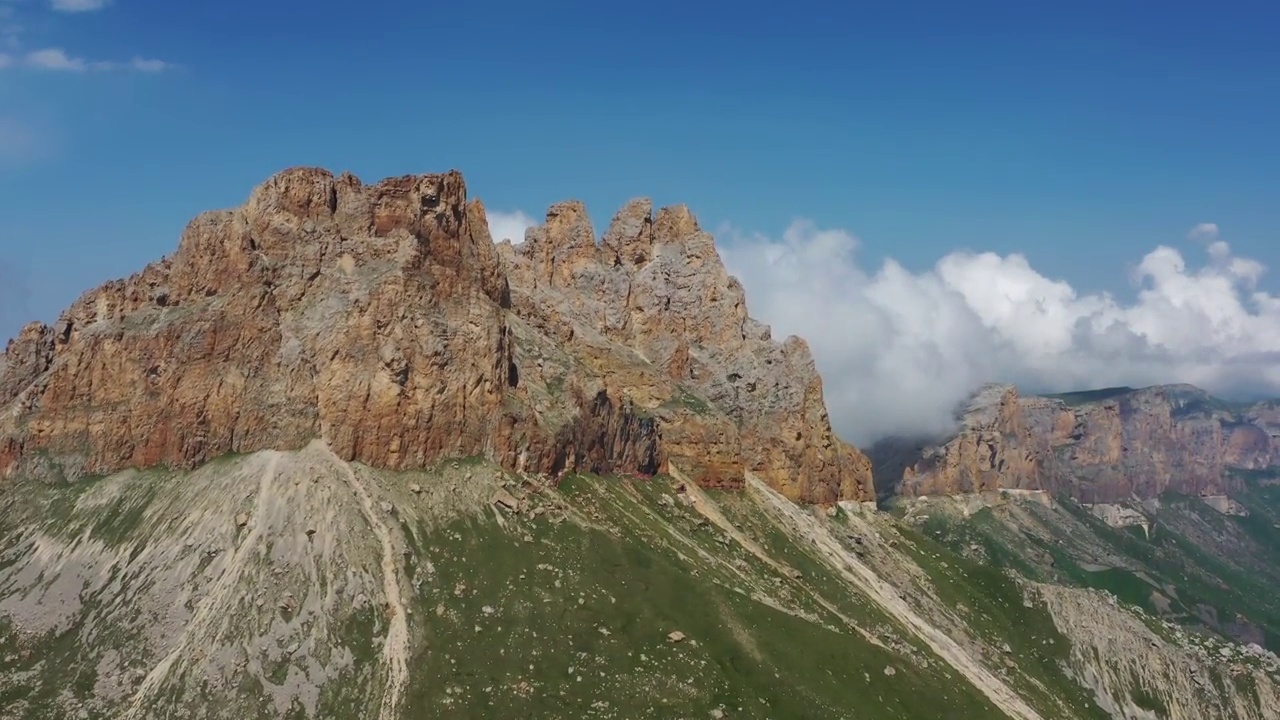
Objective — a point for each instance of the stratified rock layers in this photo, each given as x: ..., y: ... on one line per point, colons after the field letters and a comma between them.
x: 383, y: 320
x: 1100, y: 447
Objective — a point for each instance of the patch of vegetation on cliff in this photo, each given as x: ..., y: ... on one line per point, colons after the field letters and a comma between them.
x: 1263, y: 477
x: 122, y: 516
x: 1237, y: 576
x: 1149, y: 701
x: 556, y: 385
x: 1084, y: 397
x: 60, y: 668
x: 689, y: 401
x: 809, y: 576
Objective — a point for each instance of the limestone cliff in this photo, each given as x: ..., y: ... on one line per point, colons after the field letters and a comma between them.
x: 383, y: 320
x: 1099, y: 447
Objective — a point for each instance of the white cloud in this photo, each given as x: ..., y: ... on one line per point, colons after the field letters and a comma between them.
x: 78, y: 6
x: 898, y: 350
x: 1204, y: 232
x: 149, y: 66
x: 509, y: 225
x: 55, y: 59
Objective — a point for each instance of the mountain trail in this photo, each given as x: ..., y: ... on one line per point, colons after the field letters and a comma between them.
x: 395, y: 650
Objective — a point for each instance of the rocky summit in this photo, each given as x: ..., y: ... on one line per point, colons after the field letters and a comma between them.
x: 383, y: 320
x: 1101, y: 446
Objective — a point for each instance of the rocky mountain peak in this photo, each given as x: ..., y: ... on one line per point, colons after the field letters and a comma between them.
x: 565, y: 240
x: 987, y: 404
x: 630, y: 235
x: 657, y: 287
x: 383, y: 320
x: 676, y: 222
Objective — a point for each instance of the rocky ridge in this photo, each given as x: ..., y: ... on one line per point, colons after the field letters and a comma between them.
x: 383, y: 320
x: 1102, y: 446
x: 655, y: 293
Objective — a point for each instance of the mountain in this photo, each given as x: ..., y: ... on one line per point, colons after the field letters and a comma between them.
x: 1166, y: 496
x: 382, y: 320
x: 1101, y: 446
x: 341, y: 456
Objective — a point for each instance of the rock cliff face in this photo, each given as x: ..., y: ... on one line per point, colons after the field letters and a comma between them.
x: 383, y: 320
x: 656, y: 294
x: 1099, y: 447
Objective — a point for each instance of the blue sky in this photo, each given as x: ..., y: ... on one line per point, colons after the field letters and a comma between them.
x: 1081, y: 135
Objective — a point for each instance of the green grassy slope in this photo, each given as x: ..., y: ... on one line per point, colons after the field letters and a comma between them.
x: 1196, y: 567
x: 256, y: 588
x: 572, y: 620
x: 563, y: 613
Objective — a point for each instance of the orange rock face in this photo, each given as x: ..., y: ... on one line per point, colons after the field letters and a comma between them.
x: 1105, y: 448
x: 383, y: 320
x: 655, y: 294
x: 369, y: 316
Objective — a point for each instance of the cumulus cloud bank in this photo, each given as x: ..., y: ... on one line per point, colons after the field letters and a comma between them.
x: 898, y: 351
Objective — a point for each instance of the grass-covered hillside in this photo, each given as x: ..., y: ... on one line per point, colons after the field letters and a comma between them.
x: 293, y: 585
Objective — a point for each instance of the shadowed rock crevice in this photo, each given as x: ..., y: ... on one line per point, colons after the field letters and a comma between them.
x: 608, y: 436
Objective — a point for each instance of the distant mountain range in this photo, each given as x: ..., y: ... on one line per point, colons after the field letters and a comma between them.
x: 1096, y: 446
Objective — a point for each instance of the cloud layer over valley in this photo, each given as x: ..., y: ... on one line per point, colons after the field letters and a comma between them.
x: 898, y: 350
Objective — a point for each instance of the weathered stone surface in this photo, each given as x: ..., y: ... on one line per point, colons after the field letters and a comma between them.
x: 369, y: 316
x: 25, y: 358
x: 372, y: 317
x: 1101, y: 447
x: 383, y: 320
x: 654, y: 294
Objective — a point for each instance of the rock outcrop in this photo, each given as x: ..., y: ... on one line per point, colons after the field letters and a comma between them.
x: 656, y: 292
x: 1103, y: 446
x: 383, y: 320
x: 369, y: 316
